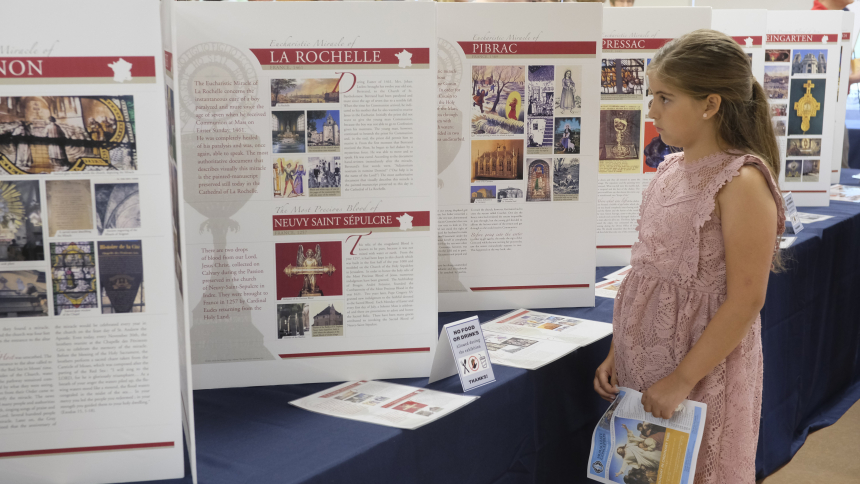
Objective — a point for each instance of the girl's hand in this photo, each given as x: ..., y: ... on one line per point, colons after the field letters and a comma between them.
x: 605, y: 379
x: 663, y: 397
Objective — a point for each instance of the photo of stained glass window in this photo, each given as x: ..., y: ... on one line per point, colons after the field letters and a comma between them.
x: 48, y: 134
x: 73, y: 275
x: 622, y: 78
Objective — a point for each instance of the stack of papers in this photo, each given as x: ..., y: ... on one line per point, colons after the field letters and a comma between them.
x: 608, y: 287
x: 529, y: 339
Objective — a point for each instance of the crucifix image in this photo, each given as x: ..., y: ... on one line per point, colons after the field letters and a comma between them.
x: 309, y: 264
x: 807, y: 107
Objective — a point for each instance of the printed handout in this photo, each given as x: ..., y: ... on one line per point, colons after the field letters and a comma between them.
x: 530, y: 339
x: 808, y: 218
x: 383, y: 403
x: 842, y: 193
x: 608, y: 288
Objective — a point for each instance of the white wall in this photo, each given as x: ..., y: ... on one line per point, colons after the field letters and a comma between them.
x: 765, y: 4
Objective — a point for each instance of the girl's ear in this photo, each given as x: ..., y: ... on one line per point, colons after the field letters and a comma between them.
x: 713, y: 103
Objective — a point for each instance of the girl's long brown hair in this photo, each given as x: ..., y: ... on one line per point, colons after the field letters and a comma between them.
x: 706, y: 62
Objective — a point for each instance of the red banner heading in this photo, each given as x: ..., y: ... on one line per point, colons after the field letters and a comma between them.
x: 168, y: 61
x: 396, y: 57
x: 846, y: 35
x: 634, y: 44
x: 72, y: 67
x: 753, y: 40
x: 375, y: 220
x: 801, y: 38
x: 341, y: 390
x: 529, y: 48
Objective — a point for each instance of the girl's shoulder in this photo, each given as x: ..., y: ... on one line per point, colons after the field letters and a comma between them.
x: 669, y: 160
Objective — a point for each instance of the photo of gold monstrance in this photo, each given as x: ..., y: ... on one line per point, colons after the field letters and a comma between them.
x: 620, y: 150
x: 807, y: 107
x: 310, y: 266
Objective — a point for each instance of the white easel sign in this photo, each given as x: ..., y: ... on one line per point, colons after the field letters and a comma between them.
x: 791, y: 213
x: 462, y: 351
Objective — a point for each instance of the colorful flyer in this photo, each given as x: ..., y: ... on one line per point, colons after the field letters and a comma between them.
x: 631, y: 445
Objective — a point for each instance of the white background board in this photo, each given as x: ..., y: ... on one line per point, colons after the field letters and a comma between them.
x: 90, y: 363
x: 805, y: 168
x: 522, y: 239
x: 366, y: 160
x: 622, y: 179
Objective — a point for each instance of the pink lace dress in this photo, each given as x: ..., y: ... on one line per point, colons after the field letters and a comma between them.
x: 677, y: 284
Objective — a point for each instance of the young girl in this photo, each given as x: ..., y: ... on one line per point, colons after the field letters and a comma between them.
x: 686, y: 323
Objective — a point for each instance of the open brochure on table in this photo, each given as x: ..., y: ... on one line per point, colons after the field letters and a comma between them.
x: 612, y: 283
x: 529, y: 339
x: 809, y: 218
x: 842, y: 193
x: 631, y: 445
x: 383, y: 403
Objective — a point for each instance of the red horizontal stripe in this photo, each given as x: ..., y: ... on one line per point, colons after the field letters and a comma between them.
x: 514, y: 288
x: 515, y: 316
x: 742, y: 40
x: 348, y: 221
x: 614, y: 246
x: 795, y: 38
x: 338, y: 56
x: 358, y: 352
x: 51, y: 67
x: 633, y: 44
x: 528, y: 48
x: 100, y: 448
x: 402, y: 399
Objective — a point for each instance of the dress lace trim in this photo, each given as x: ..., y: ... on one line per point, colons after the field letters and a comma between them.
x: 689, y: 264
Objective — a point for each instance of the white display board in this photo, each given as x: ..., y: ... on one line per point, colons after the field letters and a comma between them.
x: 306, y: 162
x: 89, y: 373
x: 662, y: 3
x: 757, y: 4
x: 845, y: 50
x: 182, y: 328
x: 629, y: 156
x: 801, y: 78
x: 517, y: 154
x: 749, y: 29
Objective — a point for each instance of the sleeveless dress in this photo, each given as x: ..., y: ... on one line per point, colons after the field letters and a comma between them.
x: 677, y: 283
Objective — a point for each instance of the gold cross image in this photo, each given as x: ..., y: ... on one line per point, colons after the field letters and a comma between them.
x: 807, y: 107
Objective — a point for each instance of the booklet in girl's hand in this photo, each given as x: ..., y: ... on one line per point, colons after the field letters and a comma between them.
x: 631, y: 445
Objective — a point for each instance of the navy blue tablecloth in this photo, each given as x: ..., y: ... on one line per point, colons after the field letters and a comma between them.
x: 535, y: 426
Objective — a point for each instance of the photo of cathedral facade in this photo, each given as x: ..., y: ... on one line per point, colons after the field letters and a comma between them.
x: 809, y: 62
x: 328, y: 317
x: 323, y: 130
